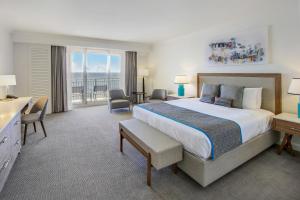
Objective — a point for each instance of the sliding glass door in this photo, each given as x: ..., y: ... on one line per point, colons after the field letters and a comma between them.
x: 94, y: 72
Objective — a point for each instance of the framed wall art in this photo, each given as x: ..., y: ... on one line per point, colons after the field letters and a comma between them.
x: 246, y: 47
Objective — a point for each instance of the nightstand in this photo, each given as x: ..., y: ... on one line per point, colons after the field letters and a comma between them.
x: 289, y: 124
x: 175, y: 97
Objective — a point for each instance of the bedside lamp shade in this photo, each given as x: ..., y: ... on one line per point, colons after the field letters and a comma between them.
x: 181, y: 80
x: 295, y: 86
x: 294, y: 89
x: 143, y: 72
x: 6, y: 80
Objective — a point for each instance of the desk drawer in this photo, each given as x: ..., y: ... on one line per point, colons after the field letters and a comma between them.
x: 5, y: 167
x: 5, y: 141
x: 10, y: 139
x: 16, y: 136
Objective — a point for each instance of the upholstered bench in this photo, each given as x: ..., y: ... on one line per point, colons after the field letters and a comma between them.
x: 159, y: 149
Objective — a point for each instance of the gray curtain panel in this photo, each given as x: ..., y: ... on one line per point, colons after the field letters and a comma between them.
x: 131, y: 74
x: 59, y: 79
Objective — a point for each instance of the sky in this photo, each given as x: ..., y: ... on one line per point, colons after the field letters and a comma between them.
x: 95, y: 62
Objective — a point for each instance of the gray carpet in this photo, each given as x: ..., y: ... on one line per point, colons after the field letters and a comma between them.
x: 80, y: 159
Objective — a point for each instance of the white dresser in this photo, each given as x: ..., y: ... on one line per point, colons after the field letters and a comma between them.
x: 10, y: 134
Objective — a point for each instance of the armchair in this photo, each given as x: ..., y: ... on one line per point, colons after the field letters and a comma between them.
x: 117, y: 99
x: 157, y: 96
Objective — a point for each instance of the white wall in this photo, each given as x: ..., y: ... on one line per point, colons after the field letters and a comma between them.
x: 22, y: 69
x: 185, y: 54
x: 6, y: 59
x: 6, y: 56
x: 65, y: 40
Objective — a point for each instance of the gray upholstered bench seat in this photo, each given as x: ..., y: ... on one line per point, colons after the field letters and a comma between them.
x: 159, y: 149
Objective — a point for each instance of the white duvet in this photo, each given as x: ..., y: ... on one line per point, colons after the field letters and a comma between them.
x: 252, y: 123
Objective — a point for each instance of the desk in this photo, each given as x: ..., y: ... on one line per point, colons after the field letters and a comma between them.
x: 9, y: 109
x: 10, y: 134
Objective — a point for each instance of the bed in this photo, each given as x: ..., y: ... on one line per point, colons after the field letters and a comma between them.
x: 255, y: 125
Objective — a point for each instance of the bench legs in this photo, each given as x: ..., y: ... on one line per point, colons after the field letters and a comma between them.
x: 174, y: 168
x: 121, y: 142
x: 149, y: 169
x: 142, y: 151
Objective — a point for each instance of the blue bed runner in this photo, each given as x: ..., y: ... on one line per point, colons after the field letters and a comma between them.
x: 223, y: 134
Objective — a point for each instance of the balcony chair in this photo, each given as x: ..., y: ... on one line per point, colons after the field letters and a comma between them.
x: 78, y: 90
x: 99, y: 89
x: 157, y: 96
x: 37, y: 113
x: 117, y: 99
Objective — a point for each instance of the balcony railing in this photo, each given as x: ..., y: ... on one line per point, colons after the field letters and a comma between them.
x: 92, y: 90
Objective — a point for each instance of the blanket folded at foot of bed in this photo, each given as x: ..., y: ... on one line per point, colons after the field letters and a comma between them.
x: 223, y: 134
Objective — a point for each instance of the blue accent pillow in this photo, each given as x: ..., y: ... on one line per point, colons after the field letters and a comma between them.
x: 223, y: 102
x: 207, y: 99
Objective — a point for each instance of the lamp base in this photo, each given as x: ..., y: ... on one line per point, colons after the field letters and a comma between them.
x: 180, y: 90
x: 299, y: 110
x: 143, y: 89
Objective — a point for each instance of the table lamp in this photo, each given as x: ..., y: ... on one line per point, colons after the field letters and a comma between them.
x: 294, y: 89
x: 6, y: 80
x: 181, y: 80
x: 144, y: 73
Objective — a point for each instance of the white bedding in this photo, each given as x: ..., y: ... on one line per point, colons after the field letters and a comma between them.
x: 252, y: 123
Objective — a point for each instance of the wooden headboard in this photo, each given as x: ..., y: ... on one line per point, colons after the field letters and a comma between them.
x: 270, y: 82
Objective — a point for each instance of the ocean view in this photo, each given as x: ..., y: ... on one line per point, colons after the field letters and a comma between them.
x: 94, y: 76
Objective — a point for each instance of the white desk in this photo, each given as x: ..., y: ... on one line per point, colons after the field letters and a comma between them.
x: 10, y: 134
x: 9, y: 109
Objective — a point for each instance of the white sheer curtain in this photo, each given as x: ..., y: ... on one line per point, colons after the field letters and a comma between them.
x: 69, y: 78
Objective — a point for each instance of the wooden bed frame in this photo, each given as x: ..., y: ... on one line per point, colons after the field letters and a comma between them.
x: 207, y: 171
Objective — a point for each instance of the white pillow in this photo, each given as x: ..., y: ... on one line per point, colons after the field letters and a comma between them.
x: 252, y: 98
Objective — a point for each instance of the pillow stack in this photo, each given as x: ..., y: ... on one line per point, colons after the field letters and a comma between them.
x: 231, y: 96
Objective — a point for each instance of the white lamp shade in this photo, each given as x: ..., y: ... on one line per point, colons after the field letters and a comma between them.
x: 181, y: 79
x: 294, y: 87
x: 6, y: 80
x: 143, y: 72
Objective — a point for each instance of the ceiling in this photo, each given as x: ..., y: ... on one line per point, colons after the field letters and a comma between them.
x: 127, y: 20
